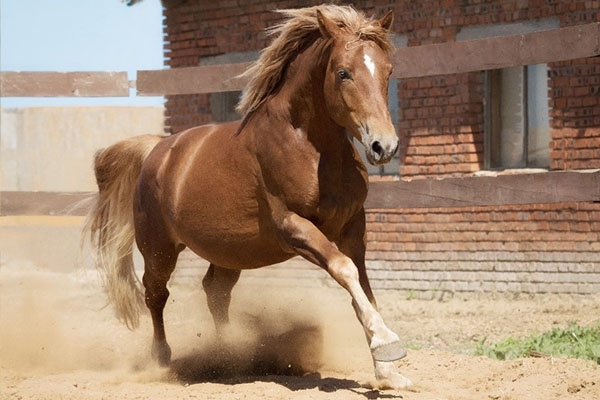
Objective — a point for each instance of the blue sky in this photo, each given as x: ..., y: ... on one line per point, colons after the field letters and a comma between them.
x: 80, y: 35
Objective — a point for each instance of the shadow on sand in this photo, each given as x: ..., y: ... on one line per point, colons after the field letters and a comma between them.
x: 290, y: 359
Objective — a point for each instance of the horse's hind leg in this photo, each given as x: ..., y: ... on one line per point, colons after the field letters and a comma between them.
x: 218, y: 284
x: 159, y: 264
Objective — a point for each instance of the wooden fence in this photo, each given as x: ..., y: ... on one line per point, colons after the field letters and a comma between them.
x: 562, y: 44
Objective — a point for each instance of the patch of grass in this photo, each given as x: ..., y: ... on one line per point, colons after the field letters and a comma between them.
x: 574, y: 341
x: 411, y: 295
x: 413, y: 346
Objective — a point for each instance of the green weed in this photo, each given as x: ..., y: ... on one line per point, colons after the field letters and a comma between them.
x: 574, y: 341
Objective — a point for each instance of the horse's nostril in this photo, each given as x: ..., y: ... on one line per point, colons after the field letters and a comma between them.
x: 376, y: 147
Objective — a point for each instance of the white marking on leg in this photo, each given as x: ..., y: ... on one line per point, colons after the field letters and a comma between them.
x: 370, y: 64
x: 378, y: 334
x: 388, y: 376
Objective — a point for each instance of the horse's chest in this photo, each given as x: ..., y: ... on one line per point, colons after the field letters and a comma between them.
x: 335, y: 208
x: 336, y: 199
x: 327, y: 190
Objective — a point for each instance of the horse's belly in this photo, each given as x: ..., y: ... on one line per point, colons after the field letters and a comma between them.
x: 230, y: 236
x: 237, y: 250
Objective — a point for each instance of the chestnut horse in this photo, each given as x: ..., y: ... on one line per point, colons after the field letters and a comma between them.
x: 284, y: 181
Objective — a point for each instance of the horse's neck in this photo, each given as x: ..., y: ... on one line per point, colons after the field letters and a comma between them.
x: 296, y: 116
x: 302, y: 98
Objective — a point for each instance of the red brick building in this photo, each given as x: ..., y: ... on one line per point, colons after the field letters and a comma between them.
x: 543, y: 116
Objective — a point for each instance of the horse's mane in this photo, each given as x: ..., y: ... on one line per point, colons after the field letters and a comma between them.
x: 299, y: 30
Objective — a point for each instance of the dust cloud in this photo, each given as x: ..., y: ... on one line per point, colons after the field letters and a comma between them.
x: 55, y: 323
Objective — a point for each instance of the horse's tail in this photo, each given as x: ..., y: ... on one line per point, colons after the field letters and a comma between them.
x: 109, y: 224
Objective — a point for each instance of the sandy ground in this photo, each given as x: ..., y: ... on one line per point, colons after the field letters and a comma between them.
x: 57, y: 340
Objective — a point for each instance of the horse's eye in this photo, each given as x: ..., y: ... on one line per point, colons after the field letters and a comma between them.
x: 343, y: 74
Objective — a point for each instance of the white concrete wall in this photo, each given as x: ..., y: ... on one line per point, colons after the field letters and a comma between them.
x: 52, y: 148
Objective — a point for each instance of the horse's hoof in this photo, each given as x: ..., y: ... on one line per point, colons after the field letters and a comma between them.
x: 389, y: 352
x: 395, y: 381
x: 389, y: 378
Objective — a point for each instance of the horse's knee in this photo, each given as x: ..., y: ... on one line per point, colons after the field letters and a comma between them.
x: 344, y: 271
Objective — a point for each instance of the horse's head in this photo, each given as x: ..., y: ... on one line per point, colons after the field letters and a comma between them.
x: 356, y: 88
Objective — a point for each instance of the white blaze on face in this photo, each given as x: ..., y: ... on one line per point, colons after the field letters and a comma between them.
x: 370, y: 64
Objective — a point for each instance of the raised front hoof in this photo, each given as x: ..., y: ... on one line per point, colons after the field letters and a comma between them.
x: 161, y: 354
x: 389, y: 352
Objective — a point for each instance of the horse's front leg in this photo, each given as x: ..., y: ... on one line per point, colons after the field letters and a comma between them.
x: 353, y: 244
x: 218, y: 284
x: 303, y: 237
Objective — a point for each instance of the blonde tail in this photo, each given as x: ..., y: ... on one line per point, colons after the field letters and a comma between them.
x: 109, y: 224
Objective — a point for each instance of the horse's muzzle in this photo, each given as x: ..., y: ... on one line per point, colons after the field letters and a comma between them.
x: 381, y: 151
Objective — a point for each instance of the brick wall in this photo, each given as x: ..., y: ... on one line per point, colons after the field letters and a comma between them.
x: 575, y: 101
x: 542, y: 248
x: 196, y: 29
x: 530, y: 249
x: 449, y: 109
x: 441, y: 125
x: 538, y: 248
x: 575, y: 114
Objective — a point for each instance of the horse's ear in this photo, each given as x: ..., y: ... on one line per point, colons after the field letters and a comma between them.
x: 327, y: 27
x: 386, y: 21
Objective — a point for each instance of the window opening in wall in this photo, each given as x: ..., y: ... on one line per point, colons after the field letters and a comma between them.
x: 517, y: 118
x: 222, y: 106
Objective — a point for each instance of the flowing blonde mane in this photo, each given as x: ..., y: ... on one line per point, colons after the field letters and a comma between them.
x: 299, y: 30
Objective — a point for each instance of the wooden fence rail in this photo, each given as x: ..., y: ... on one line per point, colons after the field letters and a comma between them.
x: 548, y: 187
x: 562, y: 44
x: 551, y: 187
x: 64, y: 84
